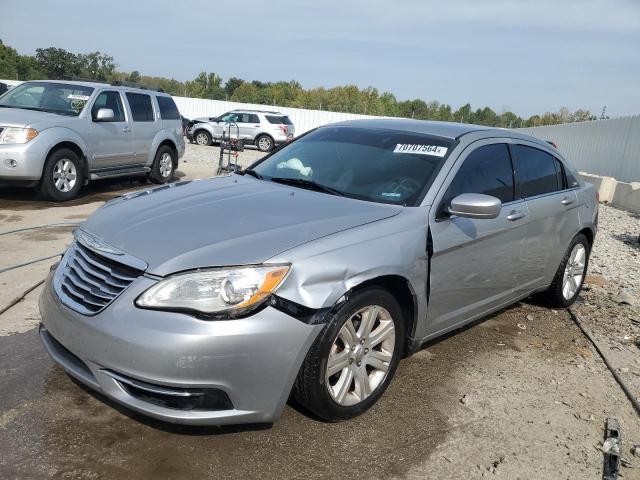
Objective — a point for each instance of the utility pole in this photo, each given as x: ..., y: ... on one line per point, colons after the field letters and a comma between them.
x: 602, y: 115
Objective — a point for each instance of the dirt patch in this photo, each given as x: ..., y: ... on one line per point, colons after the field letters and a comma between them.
x: 47, y: 234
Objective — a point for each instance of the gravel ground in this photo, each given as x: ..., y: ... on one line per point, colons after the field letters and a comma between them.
x: 521, y: 394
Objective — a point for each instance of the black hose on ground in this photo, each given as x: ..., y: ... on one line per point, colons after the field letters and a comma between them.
x: 623, y: 386
x: 19, y: 298
x: 48, y: 225
x: 13, y: 267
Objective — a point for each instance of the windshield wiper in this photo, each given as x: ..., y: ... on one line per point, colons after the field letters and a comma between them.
x: 308, y: 184
x: 251, y: 172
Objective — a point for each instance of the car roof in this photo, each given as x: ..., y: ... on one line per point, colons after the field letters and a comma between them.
x: 101, y: 85
x: 243, y: 110
x: 450, y: 130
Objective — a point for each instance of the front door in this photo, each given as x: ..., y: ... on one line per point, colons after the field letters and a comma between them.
x: 475, y: 265
x: 111, y: 141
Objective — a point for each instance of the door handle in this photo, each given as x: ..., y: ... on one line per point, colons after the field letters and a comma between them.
x: 515, y: 215
x: 126, y: 129
x: 567, y: 201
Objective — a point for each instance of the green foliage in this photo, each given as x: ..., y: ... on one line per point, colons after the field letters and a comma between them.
x: 57, y: 63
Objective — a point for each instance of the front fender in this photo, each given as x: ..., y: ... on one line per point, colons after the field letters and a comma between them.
x: 326, y: 269
x: 56, y: 135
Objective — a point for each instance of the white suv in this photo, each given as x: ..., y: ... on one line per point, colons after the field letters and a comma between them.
x: 263, y: 129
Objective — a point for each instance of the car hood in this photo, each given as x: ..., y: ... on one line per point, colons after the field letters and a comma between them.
x: 231, y: 220
x: 18, y: 117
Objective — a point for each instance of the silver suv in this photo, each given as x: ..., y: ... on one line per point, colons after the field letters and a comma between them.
x: 263, y: 129
x: 59, y: 135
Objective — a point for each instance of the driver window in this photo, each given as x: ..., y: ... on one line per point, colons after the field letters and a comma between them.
x: 486, y: 170
x: 110, y: 100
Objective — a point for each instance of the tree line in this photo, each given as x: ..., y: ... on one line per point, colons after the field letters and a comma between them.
x: 56, y: 63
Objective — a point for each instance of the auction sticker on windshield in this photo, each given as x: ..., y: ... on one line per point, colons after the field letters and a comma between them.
x: 433, y: 150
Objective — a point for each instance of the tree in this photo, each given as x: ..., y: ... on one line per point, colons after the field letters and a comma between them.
x: 96, y: 66
x: 134, y: 77
x: 57, y: 63
x: 232, y: 84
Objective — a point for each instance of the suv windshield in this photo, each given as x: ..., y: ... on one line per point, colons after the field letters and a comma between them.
x: 377, y: 165
x: 60, y: 98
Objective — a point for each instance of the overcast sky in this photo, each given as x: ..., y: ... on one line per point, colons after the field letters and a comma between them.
x: 525, y: 56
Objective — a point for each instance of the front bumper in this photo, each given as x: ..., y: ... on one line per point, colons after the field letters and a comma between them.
x: 23, y: 162
x: 253, y: 360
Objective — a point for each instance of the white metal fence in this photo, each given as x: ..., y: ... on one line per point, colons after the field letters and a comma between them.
x: 601, y: 147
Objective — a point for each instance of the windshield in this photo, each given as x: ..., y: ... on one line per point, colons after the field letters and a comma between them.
x: 377, y: 165
x: 60, y: 98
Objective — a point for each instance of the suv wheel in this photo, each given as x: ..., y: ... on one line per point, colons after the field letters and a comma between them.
x: 264, y: 143
x: 353, y: 360
x: 202, y: 137
x: 569, y: 278
x: 62, y: 176
x: 163, y: 165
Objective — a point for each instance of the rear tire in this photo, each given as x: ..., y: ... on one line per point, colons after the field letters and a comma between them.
x: 163, y: 165
x: 62, y: 176
x: 568, y: 280
x: 345, y: 371
x: 264, y: 143
x: 202, y: 137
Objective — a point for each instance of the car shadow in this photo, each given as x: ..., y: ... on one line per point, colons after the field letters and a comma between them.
x: 24, y: 198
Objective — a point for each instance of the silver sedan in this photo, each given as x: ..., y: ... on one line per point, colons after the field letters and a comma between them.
x: 315, y: 270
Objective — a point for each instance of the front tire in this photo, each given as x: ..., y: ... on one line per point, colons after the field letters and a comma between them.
x: 163, y: 165
x: 354, y: 358
x: 202, y: 137
x: 62, y: 176
x: 570, y: 275
x: 264, y: 143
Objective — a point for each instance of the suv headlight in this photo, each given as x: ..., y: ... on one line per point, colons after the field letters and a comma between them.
x: 17, y: 135
x: 215, y: 291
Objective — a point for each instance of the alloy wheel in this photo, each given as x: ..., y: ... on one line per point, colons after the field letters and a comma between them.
x: 202, y: 139
x: 166, y: 165
x: 64, y: 175
x: 574, y: 271
x: 360, y: 355
x: 264, y: 144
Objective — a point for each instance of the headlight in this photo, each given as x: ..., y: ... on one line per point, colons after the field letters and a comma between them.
x: 220, y: 290
x: 17, y: 135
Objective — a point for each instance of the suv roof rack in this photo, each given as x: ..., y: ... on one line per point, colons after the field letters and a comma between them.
x: 122, y: 83
x: 255, y: 110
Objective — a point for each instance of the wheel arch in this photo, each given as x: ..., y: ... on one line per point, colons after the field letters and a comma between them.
x: 171, y: 144
x: 75, y: 148
x: 402, y: 291
x: 264, y: 134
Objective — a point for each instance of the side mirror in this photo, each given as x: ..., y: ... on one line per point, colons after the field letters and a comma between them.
x: 475, y: 205
x: 104, y: 115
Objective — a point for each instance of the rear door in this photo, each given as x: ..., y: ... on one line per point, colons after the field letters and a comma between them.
x: 552, y: 207
x: 249, y: 125
x: 145, y: 125
x: 111, y: 141
x: 475, y: 265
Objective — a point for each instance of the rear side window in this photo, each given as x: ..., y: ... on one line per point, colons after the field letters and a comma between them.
x: 168, y: 109
x: 536, y: 171
x: 110, y: 100
x: 486, y: 170
x: 278, y: 120
x: 141, y: 108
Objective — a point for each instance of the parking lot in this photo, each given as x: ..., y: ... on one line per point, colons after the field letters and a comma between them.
x: 521, y: 394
